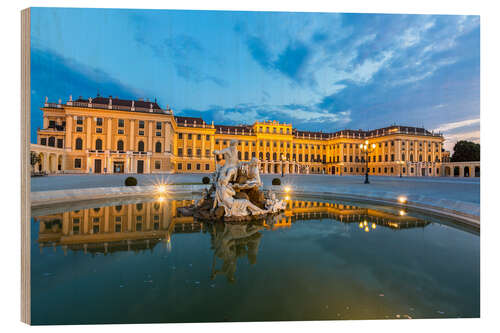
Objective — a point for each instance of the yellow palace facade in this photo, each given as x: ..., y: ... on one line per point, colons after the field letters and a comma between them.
x: 111, y: 135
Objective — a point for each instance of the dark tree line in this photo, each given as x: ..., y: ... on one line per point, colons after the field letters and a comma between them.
x: 466, y: 151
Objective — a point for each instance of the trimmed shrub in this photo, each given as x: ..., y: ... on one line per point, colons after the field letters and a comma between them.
x: 205, y: 180
x: 276, y: 181
x: 130, y: 181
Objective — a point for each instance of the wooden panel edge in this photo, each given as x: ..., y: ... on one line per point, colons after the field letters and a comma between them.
x: 25, y: 174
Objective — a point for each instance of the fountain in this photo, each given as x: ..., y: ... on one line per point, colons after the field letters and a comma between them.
x: 235, y: 193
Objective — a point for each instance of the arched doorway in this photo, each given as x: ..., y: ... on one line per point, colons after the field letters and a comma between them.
x: 59, y: 163
x: 476, y: 171
x: 466, y: 172
x: 456, y: 171
x: 41, y: 163
x: 447, y: 171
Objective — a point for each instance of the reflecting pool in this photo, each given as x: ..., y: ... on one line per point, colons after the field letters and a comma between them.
x: 139, y: 261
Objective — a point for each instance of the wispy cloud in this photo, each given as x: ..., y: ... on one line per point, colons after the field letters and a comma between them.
x: 458, y: 124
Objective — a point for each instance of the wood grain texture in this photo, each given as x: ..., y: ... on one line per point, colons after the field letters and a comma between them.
x: 25, y: 166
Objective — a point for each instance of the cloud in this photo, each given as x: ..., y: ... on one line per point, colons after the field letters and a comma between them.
x: 303, y: 116
x: 183, y: 51
x: 55, y: 76
x: 458, y: 124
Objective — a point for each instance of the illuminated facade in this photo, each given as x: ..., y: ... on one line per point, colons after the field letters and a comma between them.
x: 111, y: 135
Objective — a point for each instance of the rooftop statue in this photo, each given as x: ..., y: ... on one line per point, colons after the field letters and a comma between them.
x: 235, y: 193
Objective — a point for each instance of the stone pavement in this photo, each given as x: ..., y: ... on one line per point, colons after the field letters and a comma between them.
x: 460, y: 194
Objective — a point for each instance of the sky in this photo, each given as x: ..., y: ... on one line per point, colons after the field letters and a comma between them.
x: 318, y: 71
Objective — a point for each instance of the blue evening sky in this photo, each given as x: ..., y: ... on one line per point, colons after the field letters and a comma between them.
x: 319, y: 71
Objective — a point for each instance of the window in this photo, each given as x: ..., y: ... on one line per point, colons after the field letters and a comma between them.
x: 121, y: 123
x: 43, y: 141
x: 190, y: 152
x: 208, y: 138
x: 158, y: 125
x: 190, y: 136
x: 141, y: 132
x: 207, y: 152
x: 140, y: 146
x: 198, y: 166
x: 52, y: 123
x: 79, y: 120
x: 121, y: 131
x: 157, y: 164
x: 179, y: 166
x: 392, y: 157
x: 141, y: 124
x: 52, y: 141
x: 158, y: 133
x: 78, y: 144
x: 98, y: 122
x: 198, y: 137
x: 158, y: 147
x: 98, y: 130
x: 189, y: 166
x: 98, y: 144
x: 119, y: 145
x: 179, y: 152
x: 207, y: 167
x: 59, y: 143
x: 78, y: 163
x: 79, y: 129
x: 179, y: 136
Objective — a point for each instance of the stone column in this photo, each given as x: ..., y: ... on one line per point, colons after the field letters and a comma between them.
x: 132, y: 135
x: 88, y: 144
x: 69, y: 128
x: 150, y: 137
x: 108, y: 134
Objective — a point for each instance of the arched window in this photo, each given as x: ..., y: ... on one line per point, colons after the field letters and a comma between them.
x: 78, y: 144
x: 119, y: 145
x: 158, y: 147
x: 420, y: 158
x: 411, y: 157
x: 98, y: 144
x: 261, y: 156
x: 403, y: 156
x: 52, y: 141
x: 268, y: 156
x: 140, y: 146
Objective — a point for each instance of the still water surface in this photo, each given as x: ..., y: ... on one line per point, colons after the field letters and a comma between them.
x: 138, y: 261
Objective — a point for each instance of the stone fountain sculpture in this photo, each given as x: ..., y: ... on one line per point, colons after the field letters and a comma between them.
x: 235, y: 194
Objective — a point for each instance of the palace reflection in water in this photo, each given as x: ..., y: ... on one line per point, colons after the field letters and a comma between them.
x: 143, y: 225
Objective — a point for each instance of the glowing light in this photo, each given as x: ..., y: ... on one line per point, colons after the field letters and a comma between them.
x: 161, y: 188
x: 365, y: 223
x: 374, y: 226
x: 360, y: 225
x: 402, y: 213
x: 287, y: 198
x: 287, y: 189
x: 402, y: 199
x: 161, y: 199
x: 367, y: 229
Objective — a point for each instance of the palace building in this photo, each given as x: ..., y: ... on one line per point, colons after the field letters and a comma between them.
x: 112, y: 135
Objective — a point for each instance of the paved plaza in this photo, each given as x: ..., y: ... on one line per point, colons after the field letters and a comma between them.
x: 461, y: 194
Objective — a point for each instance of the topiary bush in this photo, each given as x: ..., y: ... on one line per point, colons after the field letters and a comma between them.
x: 205, y: 180
x: 130, y: 181
x: 276, y: 181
